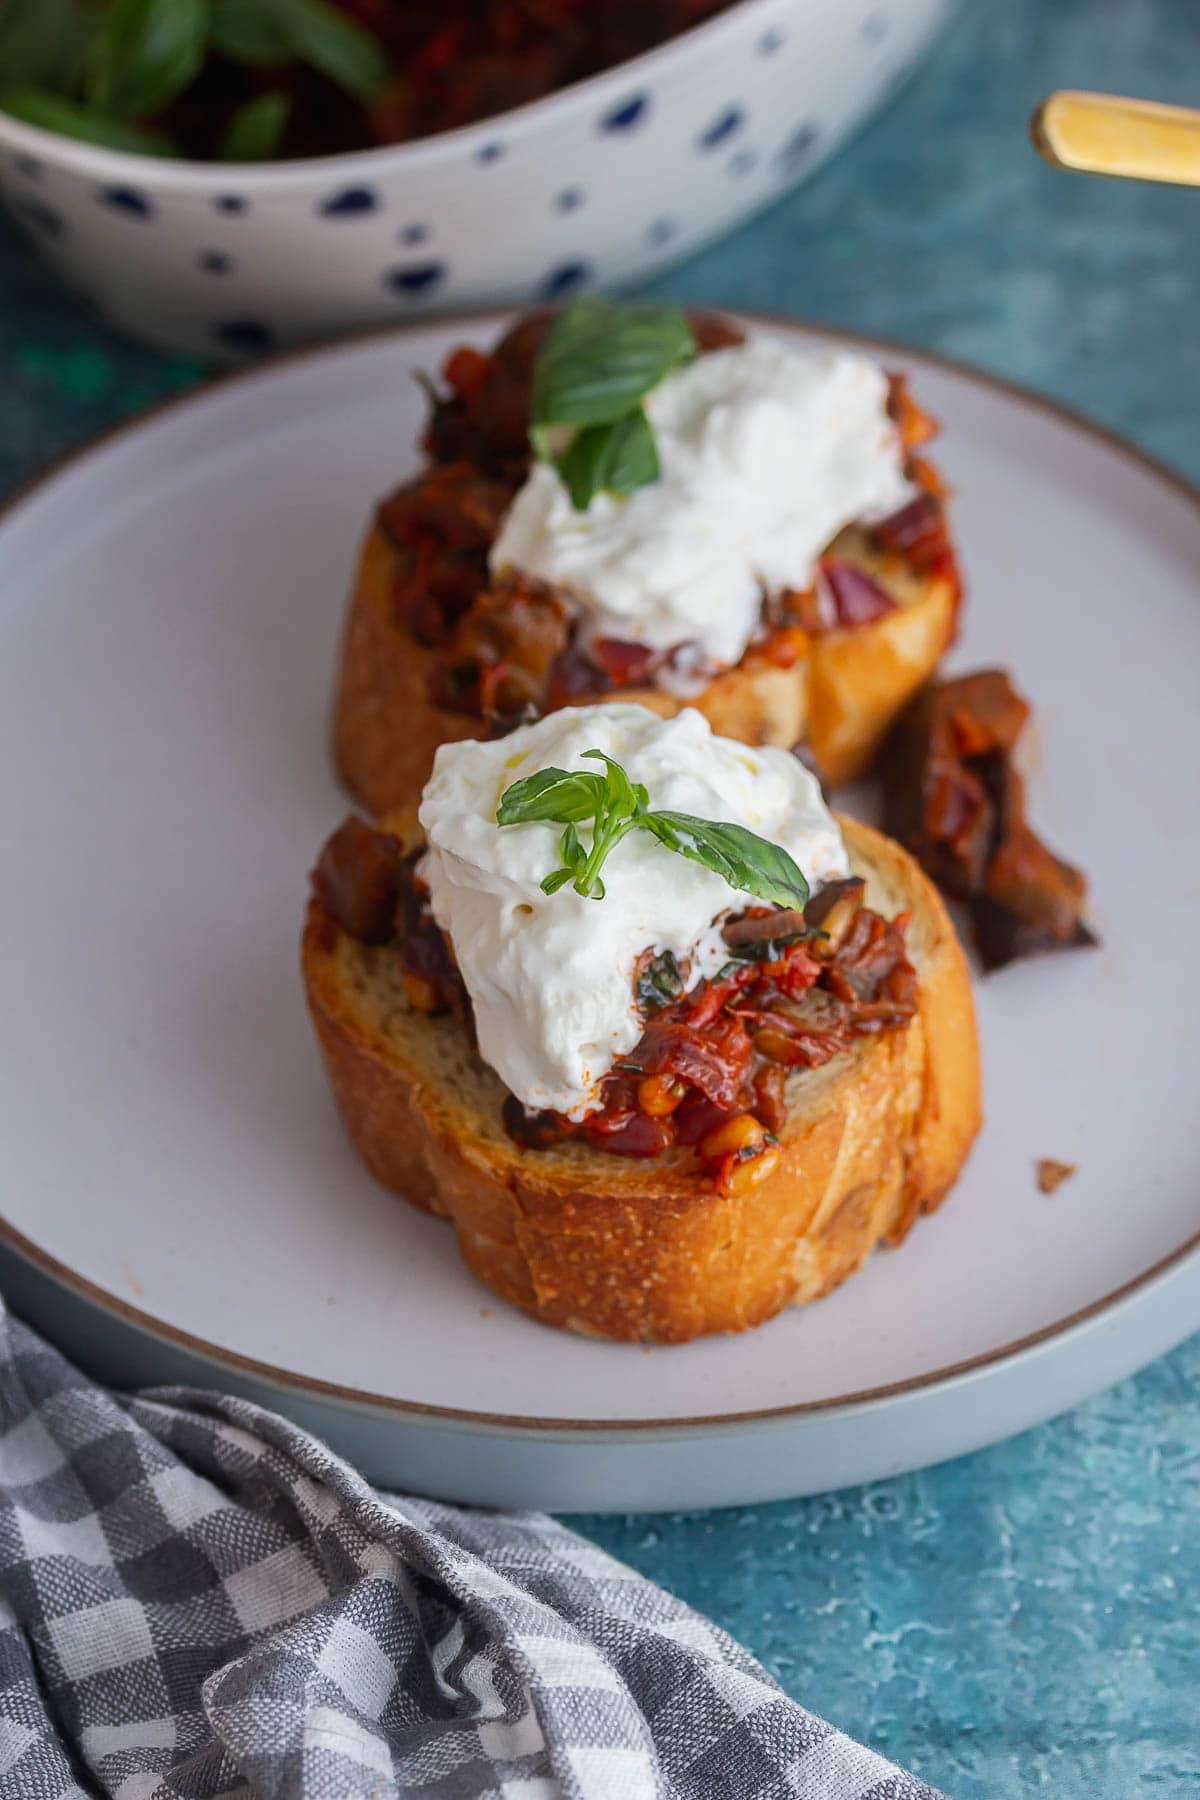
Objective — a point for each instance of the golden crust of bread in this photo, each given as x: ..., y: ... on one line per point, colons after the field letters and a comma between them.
x: 649, y: 1251
x: 840, y: 696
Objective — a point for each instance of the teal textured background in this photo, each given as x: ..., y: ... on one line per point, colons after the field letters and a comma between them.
x: 1021, y: 1621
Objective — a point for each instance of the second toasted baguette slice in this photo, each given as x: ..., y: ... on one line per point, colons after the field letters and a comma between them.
x: 839, y: 696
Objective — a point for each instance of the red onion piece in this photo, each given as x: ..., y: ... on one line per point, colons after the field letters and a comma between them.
x: 905, y: 529
x: 621, y: 661
x: 857, y: 600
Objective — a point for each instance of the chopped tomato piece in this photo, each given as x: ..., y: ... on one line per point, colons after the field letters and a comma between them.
x: 466, y: 370
x: 638, y: 1135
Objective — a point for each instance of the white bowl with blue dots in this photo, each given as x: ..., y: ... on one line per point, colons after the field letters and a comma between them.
x: 599, y: 185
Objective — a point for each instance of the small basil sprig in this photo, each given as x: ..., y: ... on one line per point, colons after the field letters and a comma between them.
x: 43, y: 43
x: 144, y: 53
x: 599, y: 360
x: 616, y: 806
x: 100, y: 69
x: 256, y: 129
x: 266, y: 33
x: 609, y: 459
x: 37, y: 107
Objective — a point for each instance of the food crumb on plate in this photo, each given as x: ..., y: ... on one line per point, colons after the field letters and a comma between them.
x: 1051, y: 1174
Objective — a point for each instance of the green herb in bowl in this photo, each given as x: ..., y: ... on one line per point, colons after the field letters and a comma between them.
x: 175, y: 77
x: 249, y: 80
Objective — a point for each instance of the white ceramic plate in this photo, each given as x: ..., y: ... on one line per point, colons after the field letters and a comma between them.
x: 180, y: 1199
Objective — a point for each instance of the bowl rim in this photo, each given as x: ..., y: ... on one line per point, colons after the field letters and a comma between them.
x: 189, y: 176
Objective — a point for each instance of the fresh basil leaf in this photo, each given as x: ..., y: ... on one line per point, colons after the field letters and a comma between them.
x: 53, y: 113
x: 554, y: 796
x: 560, y: 878
x: 747, y: 862
x: 619, y: 797
x: 256, y: 129
x: 266, y: 33
x: 340, y: 48
x: 258, y: 32
x: 144, y: 54
x: 43, y: 42
x: 579, y: 463
x: 610, y: 459
x: 600, y: 358
x: 570, y: 848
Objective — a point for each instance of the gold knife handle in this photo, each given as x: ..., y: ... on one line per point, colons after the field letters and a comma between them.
x: 1105, y: 134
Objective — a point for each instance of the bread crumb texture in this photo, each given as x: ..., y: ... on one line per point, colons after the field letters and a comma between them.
x: 1051, y: 1174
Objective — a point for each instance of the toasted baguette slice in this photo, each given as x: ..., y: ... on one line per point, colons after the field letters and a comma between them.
x: 649, y: 1251
x: 839, y: 697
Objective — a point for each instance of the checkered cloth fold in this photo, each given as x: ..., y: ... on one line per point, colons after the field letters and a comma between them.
x: 199, y: 1600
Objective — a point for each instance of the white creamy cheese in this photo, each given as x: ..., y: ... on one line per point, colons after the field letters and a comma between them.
x: 550, y: 976
x: 766, y: 451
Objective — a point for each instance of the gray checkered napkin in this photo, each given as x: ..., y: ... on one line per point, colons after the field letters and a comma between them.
x: 199, y: 1600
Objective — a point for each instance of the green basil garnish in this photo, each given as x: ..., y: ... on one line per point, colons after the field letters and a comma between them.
x: 330, y: 41
x: 256, y: 130
x: 599, y: 361
x: 252, y: 31
x: 617, y: 806
x: 609, y: 459
x: 98, y: 70
x: 53, y: 113
x: 553, y: 795
x: 749, y: 863
x: 43, y: 44
x: 266, y: 33
x: 144, y: 54
x: 601, y: 358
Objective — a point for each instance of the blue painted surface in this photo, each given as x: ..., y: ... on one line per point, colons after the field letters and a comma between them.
x: 1021, y: 1621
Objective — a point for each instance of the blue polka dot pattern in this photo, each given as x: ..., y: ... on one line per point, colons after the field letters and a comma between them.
x: 127, y: 200
x: 564, y: 280
x: 723, y: 127
x: 799, y: 144
x: 350, y: 203
x: 420, y: 278
x: 625, y: 117
x: 759, y: 116
x: 250, y: 336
